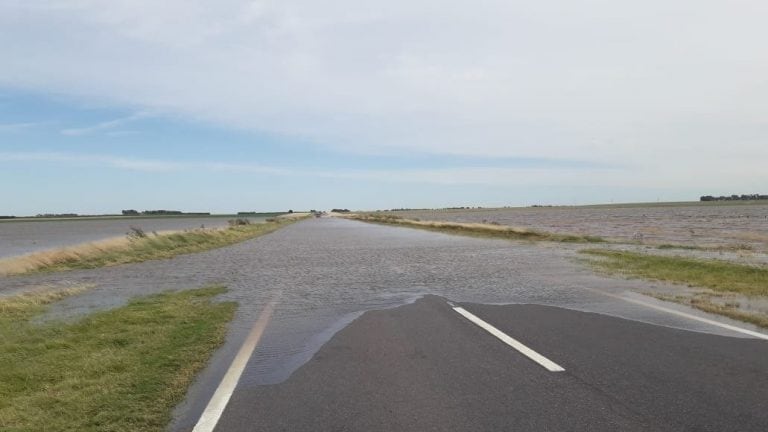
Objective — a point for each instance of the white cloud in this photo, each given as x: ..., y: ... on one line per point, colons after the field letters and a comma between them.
x: 675, y: 87
x: 90, y: 160
x: 14, y: 127
x: 134, y: 164
x: 682, y: 177
x: 105, y: 125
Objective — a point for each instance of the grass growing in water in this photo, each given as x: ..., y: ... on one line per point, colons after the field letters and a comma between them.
x: 118, y: 370
x: 135, y: 247
x: 704, y: 303
x: 717, y: 275
x: 478, y: 229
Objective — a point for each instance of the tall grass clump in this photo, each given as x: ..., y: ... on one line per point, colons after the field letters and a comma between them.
x: 240, y: 222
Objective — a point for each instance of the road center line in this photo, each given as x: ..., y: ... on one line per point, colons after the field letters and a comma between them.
x: 531, y: 354
x: 220, y: 398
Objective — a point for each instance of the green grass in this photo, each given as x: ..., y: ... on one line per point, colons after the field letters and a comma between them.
x: 118, y: 370
x: 704, y: 303
x: 477, y: 229
x: 719, y: 248
x: 713, y: 274
x: 124, y: 250
x: 677, y: 246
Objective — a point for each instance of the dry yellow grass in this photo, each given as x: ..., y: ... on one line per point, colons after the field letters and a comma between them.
x: 33, y: 261
x: 703, y: 302
x: 751, y: 236
x: 12, y: 306
x: 477, y: 229
x: 122, y: 250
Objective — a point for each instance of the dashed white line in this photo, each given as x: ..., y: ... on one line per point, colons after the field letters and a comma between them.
x: 220, y: 398
x: 531, y: 354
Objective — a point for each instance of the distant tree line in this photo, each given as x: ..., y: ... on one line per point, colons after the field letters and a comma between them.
x: 7, y: 217
x: 56, y: 215
x: 162, y: 213
x: 746, y: 197
x: 340, y: 210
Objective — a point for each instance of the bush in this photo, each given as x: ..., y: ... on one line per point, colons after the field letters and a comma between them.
x: 135, y: 233
x: 238, y: 222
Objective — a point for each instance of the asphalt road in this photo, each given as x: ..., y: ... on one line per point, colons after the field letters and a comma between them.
x: 424, y: 367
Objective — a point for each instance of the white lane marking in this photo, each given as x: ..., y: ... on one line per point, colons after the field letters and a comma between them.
x: 220, y: 398
x: 686, y: 315
x: 531, y: 354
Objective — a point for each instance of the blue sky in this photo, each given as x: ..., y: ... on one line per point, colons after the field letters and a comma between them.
x: 260, y: 105
x: 64, y: 155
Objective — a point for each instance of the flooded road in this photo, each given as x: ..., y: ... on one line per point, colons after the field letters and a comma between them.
x: 323, y: 273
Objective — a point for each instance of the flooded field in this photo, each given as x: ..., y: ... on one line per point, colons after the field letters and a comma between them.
x: 323, y: 273
x: 686, y: 224
x: 22, y: 237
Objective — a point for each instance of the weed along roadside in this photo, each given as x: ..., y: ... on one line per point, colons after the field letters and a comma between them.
x: 716, y: 275
x: 714, y: 286
x: 139, y: 246
x: 119, y: 370
x: 476, y: 229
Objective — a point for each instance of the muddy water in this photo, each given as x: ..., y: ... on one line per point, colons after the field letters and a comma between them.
x: 18, y: 238
x: 325, y: 272
x: 698, y: 225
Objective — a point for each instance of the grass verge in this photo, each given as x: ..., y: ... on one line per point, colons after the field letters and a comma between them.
x: 477, y: 229
x: 726, y: 280
x: 704, y: 303
x: 716, y: 275
x: 131, y: 249
x: 720, y: 248
x: 118, y: 370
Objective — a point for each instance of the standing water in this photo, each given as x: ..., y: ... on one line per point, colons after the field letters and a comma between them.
x: 23, y: 237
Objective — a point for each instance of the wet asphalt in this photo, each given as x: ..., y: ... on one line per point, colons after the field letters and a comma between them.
x: 326, y: 273
x: 423, y: 367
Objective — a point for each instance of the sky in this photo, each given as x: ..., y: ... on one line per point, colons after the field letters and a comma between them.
x: 272, y: 105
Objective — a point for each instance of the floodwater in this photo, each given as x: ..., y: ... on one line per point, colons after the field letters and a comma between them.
x: 693, y: 225
x: 18, y: 237
x: 325, y: 272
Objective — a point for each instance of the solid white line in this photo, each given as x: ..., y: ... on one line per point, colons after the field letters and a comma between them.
x: 220, y: 398
x: 531, y: 354
x: 696, y: 318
